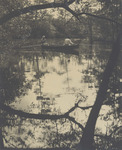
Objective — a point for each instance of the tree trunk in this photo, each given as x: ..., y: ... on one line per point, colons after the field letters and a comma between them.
x: 87, y: 139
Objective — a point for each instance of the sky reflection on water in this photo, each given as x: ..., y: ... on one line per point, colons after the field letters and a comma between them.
x: 57, y: 82
x: 61, y: 83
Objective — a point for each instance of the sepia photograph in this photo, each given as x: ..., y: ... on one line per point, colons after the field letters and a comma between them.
x: 60, y: 74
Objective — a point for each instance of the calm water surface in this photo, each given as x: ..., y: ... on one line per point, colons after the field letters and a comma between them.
x: 52, y: 83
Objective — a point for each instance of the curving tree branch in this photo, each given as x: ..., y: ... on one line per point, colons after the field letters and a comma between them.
x: 73, y: 120
x: 73, y: 108
x: 71, y: 11
x: 99, y: 17
x: 84, y: 108
x: 77, y: 106
x: 29, y: 115
x: 41, y: 116
x: 64, y: 5
x: 25, y: 10
x: 19, y: 12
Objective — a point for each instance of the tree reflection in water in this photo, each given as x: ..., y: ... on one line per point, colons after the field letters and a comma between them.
x: 51, y: 83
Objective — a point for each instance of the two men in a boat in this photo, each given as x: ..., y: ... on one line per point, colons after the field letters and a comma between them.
x: 67, y: 41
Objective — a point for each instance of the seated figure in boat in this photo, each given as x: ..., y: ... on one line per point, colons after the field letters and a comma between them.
x: 67, y: 41
x: 44, y: 41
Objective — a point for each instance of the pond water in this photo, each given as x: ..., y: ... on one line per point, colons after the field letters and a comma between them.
x: 51, y: 83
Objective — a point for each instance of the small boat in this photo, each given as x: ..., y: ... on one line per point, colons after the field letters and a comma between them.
x: 66, y: 47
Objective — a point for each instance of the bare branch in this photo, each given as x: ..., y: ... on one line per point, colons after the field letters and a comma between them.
x: 76, y: 106
x: 71, y: 11
x: 29, y: 115
x: 73, y: 120
x: 25, y: 10
x: 100, y: 17
x: 87, y: 107
x: 73, y: 108
x: 39, y: 116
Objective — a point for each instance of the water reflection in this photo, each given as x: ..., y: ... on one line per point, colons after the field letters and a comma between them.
x: 51, y: 84
x: 57, y: 80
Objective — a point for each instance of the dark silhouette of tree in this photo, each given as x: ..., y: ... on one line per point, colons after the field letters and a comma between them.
x: 87, y: 139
